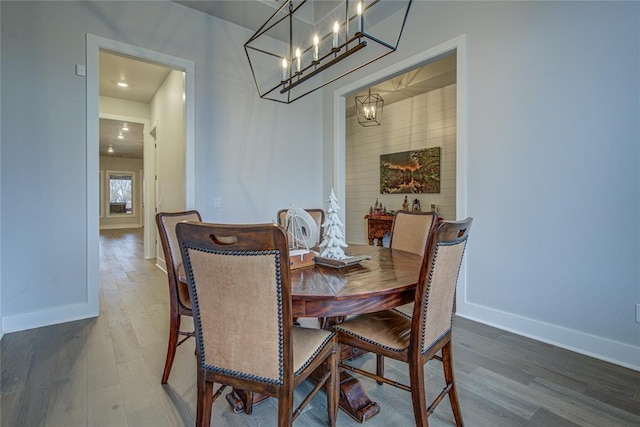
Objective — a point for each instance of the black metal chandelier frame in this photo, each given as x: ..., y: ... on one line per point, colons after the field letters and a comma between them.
x: 369, y: 109
x: 337, y: 54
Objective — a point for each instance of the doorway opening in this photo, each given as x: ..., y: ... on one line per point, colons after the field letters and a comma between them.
x: 418, y: 130
x: 336, y: 162
x: 169, y: 121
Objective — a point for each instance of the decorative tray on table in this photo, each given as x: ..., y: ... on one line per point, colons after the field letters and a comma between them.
x: 340, y: 263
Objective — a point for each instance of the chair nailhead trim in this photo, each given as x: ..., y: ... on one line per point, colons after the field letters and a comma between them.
x: 337, y: 328
x: 426, y: 303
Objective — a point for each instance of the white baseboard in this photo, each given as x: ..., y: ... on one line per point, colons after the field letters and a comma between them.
x: 590, y: 345
x: 52, y: 316
x: 119, y: 226
x: 161, y: 265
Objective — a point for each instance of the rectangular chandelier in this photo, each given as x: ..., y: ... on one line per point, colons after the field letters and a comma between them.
x: 306, y: 44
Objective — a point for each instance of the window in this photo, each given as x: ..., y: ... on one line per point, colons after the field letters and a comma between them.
x: 120, y: 191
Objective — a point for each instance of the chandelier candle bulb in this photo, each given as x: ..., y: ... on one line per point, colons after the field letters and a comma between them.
x: 316, y: 42
x: 298, y: 55
x: 360, y: 17
x: 336, y: 29
x: 285, y: 65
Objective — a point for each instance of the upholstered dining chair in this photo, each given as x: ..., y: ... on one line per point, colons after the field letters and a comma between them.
x: 240, y: 288
x: 410, y: 230
x: 418, y: 338
x: 179, y: 302
x: 317, y: 214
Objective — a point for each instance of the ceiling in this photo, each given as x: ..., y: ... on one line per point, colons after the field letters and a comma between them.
x: 143, y: 79
x: 131, y: 143
x: 436, y: 74
x: 313, y: 14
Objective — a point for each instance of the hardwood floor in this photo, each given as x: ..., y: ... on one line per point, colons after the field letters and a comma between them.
x: 106, y: 371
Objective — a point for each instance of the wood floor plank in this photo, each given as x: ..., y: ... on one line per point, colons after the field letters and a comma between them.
x: 149, y: 416
x: 500, y: 390
x: 101, y: 361
x: 106, y: 407
x: 560, y: 378
x: 581, y: 409
x: 543, y: 417
x: 68, y: 404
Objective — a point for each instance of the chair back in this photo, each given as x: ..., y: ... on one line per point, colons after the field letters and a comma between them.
x: 410, y: 230
x: 240, y: 288
x: 435, y: 295
x: 166, y: 222
x: 318, y: 216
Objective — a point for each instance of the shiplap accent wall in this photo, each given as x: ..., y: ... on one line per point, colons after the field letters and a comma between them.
x: 423, y: 121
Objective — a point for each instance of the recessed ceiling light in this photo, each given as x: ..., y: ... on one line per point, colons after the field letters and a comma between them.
x: 110, y: 150
x: 123, y: 84
x: 125, y: 128
x: 120, y: 136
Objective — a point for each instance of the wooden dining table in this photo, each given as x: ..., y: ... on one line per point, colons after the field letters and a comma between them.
x: 386, y: 280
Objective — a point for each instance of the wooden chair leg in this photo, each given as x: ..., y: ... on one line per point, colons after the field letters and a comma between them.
x: 174, y: 327
x: 379, y: 367
x: 418, y: 394
x: 248, y: 405
x: 447, y: 363
x: 331, y: 388
x: 204, y: 403
x: 285, y: 409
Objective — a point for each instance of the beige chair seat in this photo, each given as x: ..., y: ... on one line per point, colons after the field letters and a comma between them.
x: 306, y: 344
x: 390, y: 329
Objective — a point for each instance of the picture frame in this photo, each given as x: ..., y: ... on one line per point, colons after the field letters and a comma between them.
x: 414, y: 172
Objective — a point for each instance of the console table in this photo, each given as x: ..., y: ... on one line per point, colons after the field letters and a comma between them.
x: 377, y: 226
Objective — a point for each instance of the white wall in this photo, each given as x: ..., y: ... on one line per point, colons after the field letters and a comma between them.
x: 552, y: 131
x: 119, y: 164
x: 167, y: 115
x: 123, y: 107
x: 247, y: 149
x: 423, y: 121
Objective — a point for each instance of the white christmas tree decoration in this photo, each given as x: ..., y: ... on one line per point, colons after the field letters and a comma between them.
x: 331, y: 246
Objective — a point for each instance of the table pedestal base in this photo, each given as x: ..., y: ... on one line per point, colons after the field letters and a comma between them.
x: 353, y: 399
x: 237, y: 399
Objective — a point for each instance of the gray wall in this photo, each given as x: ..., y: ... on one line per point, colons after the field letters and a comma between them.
x: 553, y: 154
